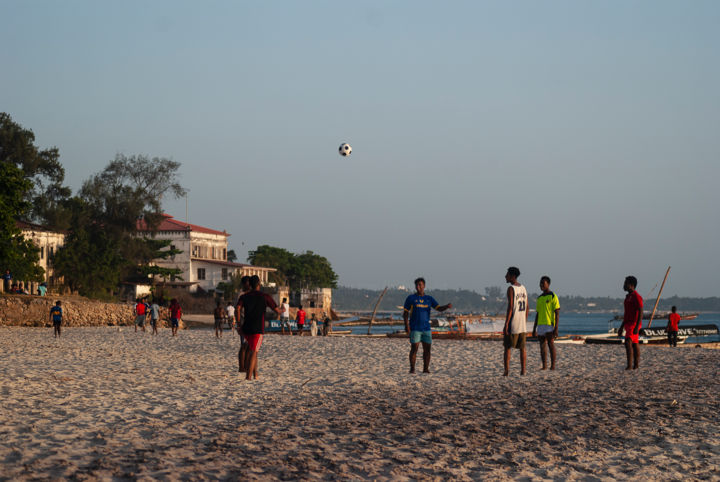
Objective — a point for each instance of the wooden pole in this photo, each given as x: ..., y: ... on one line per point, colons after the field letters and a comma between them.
x: 657, y: 300
x: 372, y: 319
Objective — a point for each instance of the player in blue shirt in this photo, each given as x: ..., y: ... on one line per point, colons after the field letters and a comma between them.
x: 56, y: 317
x: 417, y: 323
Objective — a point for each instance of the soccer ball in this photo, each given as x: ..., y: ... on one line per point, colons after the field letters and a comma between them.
x: 345, y: 149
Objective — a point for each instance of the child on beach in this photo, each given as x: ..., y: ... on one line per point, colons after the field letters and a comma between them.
x: 56, y: 314
x: 140, y: 313
x: 313, y: 325
x: 300, y: 319
x: 175, y: 315
x: 219, y: 315
x: 672, y: 327
x: 230, y: 313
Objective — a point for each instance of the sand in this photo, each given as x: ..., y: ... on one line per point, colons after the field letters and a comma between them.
x: 100, y: 403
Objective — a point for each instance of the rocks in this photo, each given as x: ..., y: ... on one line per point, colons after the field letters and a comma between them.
x: 23, y: 310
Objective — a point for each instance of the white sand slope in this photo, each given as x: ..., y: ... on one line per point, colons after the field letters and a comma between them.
x: 103, y: 403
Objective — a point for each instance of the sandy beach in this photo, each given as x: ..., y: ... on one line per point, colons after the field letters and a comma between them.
x: 107, y: 403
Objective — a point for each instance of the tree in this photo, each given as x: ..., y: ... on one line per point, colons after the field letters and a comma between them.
x: 231, y: 256
x: 41, y: 168
x: 104, y: 245
x: 132, y: 188
x: 17, y: 254
x: 306, y: 270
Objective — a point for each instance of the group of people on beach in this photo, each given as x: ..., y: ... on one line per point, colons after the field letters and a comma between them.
x: 418, y: 306
x: 247, y: 316
x: 144, y: 310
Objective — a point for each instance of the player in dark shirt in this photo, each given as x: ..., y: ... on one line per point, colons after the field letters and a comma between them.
x: 253, y: 305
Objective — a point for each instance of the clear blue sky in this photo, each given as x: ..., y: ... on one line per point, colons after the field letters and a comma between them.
x: 574, y: 139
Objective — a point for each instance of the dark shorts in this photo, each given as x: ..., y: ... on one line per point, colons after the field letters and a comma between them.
x: 301, y: 326
x: 516, y: 340
x: 174, y: 322
x: 153, y: 322
x: 57, y: 323
x: 218, y: 322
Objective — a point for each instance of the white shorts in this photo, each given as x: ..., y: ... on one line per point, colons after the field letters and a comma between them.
x: 543, y: 330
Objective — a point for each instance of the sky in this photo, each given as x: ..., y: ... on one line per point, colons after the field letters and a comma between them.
x: 572, y: 139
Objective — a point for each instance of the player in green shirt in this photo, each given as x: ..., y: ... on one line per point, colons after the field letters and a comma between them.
x: 547, y: 316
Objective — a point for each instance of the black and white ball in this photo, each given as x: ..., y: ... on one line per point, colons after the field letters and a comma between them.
x: 345, y: 149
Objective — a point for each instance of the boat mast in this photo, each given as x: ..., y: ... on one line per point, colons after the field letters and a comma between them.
x: 372, y: 318
x: 657, y: 300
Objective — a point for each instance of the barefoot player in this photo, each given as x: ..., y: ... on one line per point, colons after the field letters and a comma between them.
x: 632, y: 323
x: 254, y: 304
x: 515, y: 329
x: 416, y: 315
x: 56, y: 315
x: 242, y: 352
x: 547, y: 316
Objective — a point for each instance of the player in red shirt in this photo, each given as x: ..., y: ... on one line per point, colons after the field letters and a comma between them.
x: 632, y: 323
x: 672, y: 327
x: 300, y: 319
x: 253, y: 305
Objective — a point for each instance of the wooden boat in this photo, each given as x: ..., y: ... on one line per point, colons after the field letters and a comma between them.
x: 663, y: 316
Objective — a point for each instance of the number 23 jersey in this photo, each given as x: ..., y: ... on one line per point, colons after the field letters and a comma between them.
x: 518, y: 322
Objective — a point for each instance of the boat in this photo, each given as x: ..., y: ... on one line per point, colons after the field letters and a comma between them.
x: 663, y: 316
x: 462, y: 327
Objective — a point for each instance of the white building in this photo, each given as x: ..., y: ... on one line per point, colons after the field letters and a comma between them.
x: 48, y: 242
x: 203, y: 260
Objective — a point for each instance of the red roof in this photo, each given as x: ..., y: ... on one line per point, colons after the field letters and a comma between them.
x: 171, y: 224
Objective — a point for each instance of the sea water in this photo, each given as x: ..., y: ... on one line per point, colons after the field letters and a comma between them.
x: 580, y: 324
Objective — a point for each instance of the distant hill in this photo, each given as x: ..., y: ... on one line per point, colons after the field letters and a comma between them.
x: 357, y: 299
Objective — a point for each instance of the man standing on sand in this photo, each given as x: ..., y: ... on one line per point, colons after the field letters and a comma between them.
x: 300, y: 319
x: 672, y: 327
x: 285, y: 316
x: 175, y: 316
x: 515, y: 329
x: 632, y: 323
x: 56, y: 314
x: 254, y: 304
x: 242, y: 352
x: 547, y: 316
x: 416, y: 314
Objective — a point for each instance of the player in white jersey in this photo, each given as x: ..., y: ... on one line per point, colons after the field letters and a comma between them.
x: 515, y: 329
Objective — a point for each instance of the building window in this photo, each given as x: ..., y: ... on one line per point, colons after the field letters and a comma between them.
x: 42, y: 252
x: 224, y: 274
x: 224, y: 254
x: 194, y: 251
x: 201, y: 273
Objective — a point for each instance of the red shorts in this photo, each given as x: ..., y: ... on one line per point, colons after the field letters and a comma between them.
x: 254, y: 341
x: 630, y: 335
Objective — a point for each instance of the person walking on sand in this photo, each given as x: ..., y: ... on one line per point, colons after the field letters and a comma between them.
x: 632, y: 323
x: 547, y: 316
x: 672, y: 327
x: 254, y: 304
x: 285, y: 316
x: 140, y: 313
x: 515, y: 329
x: 313, y: 325
x: 327, y: 325
x: 175, y: 315
x: 416, y: 315
x: 219, y: 315
x: 300, y: 319
x: 56, y: 314
x: 240, y: 319
x: 154, y: 316
x: 230, y: 314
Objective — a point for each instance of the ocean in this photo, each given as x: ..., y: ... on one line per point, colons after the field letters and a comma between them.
x: 576, y: 324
